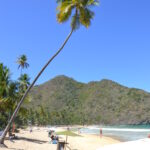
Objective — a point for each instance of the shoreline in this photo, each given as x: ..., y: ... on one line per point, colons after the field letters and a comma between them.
x: 117, y: 138
x: 122, y: 134
x: 63, y: 128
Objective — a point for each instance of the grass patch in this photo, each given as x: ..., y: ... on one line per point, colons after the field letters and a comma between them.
x: 69, y: 133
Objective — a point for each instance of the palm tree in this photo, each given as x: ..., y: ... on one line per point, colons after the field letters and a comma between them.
x: 22, y: 62
x: 24, y: 82
x: 7, y: 93
x: 82, y: 16
x: 4, y: 81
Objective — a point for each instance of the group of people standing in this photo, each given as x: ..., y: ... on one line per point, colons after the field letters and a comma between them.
x: 53, y: 136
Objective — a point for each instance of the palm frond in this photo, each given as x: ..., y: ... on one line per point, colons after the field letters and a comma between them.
x: 64, y: 11
x: 93, y: 3
x: 85, y: 16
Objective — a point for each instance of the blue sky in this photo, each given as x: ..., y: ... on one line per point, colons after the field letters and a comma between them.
x: 116, y: 46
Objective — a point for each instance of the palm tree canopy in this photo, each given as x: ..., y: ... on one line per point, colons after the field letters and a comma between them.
x: 4, y: 80
x: 24, y: 82
x: 7, y: 89
x: 22, y: 61
x: 82, y: 13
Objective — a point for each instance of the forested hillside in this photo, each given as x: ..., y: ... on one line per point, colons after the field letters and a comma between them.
x: 63, y: 100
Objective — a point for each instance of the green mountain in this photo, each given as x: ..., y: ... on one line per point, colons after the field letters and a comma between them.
x: 66, y: 101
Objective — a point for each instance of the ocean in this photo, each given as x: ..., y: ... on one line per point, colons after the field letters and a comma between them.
x: 122, y: 132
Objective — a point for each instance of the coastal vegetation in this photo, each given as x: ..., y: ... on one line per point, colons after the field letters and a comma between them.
x: 10, y: 93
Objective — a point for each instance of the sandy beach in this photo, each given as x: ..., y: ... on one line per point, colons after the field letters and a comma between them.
x: 90, y: 142
x: 39, y: 140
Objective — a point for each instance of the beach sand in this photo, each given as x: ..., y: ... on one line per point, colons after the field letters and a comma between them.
x: 39, y: 140
x: 89, y: 142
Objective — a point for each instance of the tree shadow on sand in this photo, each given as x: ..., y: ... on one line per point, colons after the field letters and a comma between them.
x: 31, y: 140
x: 28, y: 139
x: 14, y: 149
x: 25, y: 139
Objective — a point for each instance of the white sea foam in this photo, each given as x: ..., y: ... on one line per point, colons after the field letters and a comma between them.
x: 120, y: 129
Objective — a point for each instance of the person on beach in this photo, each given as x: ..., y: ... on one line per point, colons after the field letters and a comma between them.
x: 101, y: 133
x: 30, y: 129
x: 54, y: 138
x: 68, y: 128
x: 13, y: 127
x: 79, y: 131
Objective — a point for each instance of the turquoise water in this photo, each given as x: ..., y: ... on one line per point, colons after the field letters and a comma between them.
x: 122, y: 132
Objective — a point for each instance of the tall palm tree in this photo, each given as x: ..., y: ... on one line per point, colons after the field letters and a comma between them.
x: 82, y: 16
x: 22, y: 62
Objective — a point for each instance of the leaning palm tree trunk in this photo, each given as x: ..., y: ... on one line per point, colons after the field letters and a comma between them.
x: 29, y: 88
